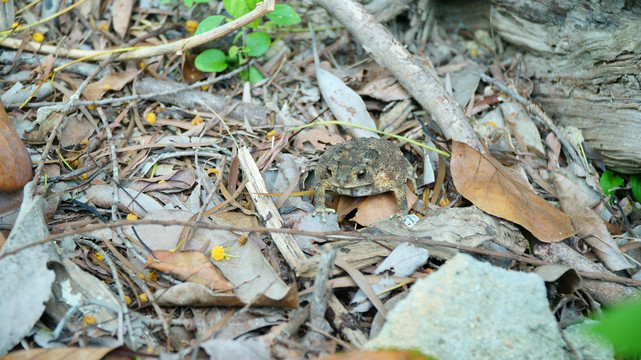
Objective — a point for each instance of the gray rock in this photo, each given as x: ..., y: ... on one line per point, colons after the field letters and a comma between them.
x: 473, y: 310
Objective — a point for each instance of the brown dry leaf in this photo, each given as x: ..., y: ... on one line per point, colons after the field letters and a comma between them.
x: 117, y: 81
x: 121, y: 13
x: 15, y: 167
x: 190, y: 73
x: 192, y: 266
x: 380, y: 206
x: 378, y: 355
x: 319, y: 138
x: 87, y: 353
x: 385, y: 89
x: 502, y: 192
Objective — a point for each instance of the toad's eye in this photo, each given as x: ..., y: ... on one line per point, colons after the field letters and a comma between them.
x: 361, y: 173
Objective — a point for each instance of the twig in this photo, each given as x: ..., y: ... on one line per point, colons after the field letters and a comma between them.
x: 320, y: 296
x: 330, y: 236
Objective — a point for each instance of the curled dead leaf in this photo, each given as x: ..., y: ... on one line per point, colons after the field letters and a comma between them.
x: 502, y: 192
x: 15, y: 167
x: 192, y: 266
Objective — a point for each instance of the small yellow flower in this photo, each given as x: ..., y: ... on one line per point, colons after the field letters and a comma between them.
x: 15, y: 25
x: 128, y: 300
x: 98, y: 256
x: 132, y: 216
x: 271, y: 134
x: 197, y: 120
x: 38, y: 37
x: 191, y: 26
x: 83, y: 176
x: 151, y: 117
x: 218, y: 253
x: 474, y: 53
x: 141, y: 65
x: 153, y: 276
x: 88, y: 320
x: 143, y: 298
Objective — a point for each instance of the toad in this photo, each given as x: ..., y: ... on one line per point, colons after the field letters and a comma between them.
x: 362, y: 167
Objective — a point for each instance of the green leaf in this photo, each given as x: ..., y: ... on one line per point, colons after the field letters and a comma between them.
x: 238, y: 8
x: 284, y: 15
x: 608, y: 181
x: 211, y: 60
x: 189, y: 3
x: 254, y: 75
x: 257, y: 43
x: 635, y: 185
x: 211, y: 22
x: 233, y: 51
x: 622, y: 326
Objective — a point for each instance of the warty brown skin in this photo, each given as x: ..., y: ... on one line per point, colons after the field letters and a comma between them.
x: 362, y: 167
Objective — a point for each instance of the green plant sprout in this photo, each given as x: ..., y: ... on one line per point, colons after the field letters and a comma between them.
x: 253, y: 45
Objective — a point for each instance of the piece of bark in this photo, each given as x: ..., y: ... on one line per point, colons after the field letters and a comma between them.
x: 582, y: 57
x: 268, y: 211
x: 390, y: 53
x: 194, y: 99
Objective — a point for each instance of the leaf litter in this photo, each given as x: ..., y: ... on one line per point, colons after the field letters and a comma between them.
x: 172, y: 154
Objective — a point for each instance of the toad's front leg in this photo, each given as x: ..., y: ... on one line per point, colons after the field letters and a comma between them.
x: 319, y: 201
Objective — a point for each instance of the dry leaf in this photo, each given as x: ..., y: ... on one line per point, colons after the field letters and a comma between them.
x: 378, y: 355
x: 502, y: 192
x: 380, y: 206
x: 87, y: 353
x: 121, y: 13
x: 385, y: 89
x: 15, y: 167
x: 319, y: 138
x: 192, y: 266
x: 190, y: 73
x: 117, y: 81
x: 589, y: 226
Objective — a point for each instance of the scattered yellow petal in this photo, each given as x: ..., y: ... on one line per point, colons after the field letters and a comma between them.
x: 91, y: 107
x: 104, y: 26
x: 153, y: 276
x: 205, y: 87
x: 84, y: 143
x: 143, y: 298
x: 212, y: 171
x: 191, y: 26
x: 444, y: 202
x: 242, y: 240
x: 83, y: 176
x: 98, y: 256
x: 38, y: 37
x: 128, y: 300
x: 271, y: 134
x: 74, y: 163
x: 150, y: 117
x: 491, y: 123
x: 15, y: 25
x: 132, y: 216
x: 141, y: 276
x: 88, y: 320
x: 197, y: 120
x: 474, y: 53
x: 107, y: 87
x: 218, y: 253
x: 161, y: 182
x: 141, y: 65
